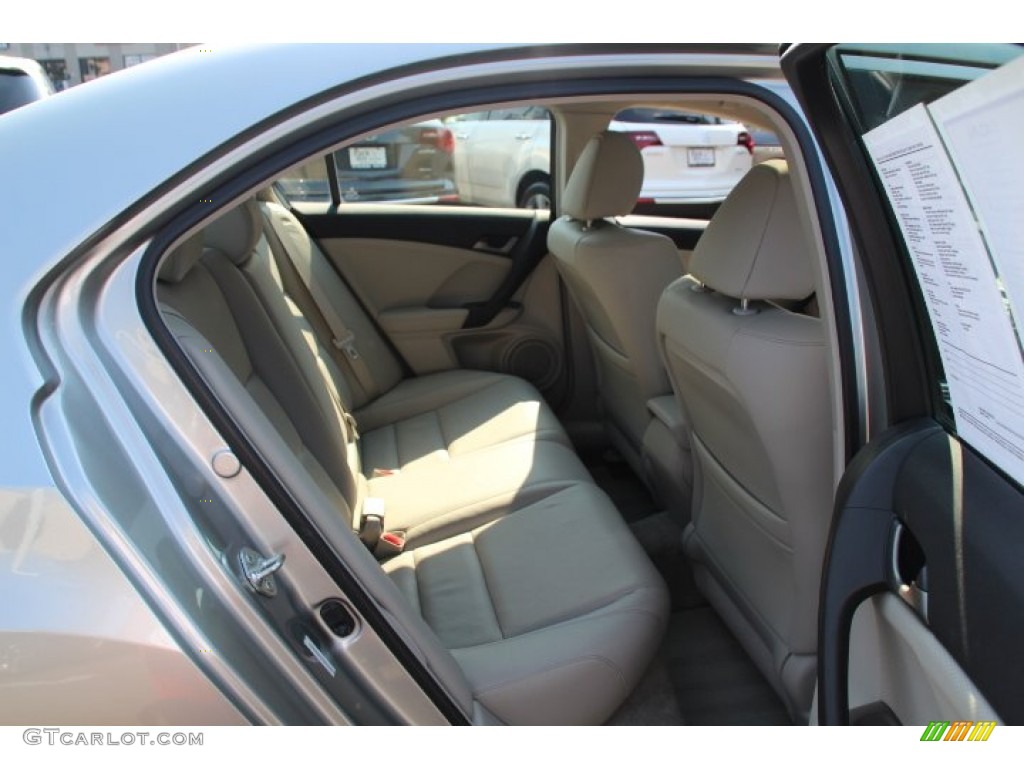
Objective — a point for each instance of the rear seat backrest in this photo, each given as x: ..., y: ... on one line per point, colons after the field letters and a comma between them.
x: 221, y: 297
x: 307, y: 258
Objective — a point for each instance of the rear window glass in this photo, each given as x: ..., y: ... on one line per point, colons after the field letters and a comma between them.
x: 16, y: 89
x: 653, y: 115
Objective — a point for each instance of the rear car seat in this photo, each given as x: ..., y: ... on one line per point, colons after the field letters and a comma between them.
x: 520, y: 566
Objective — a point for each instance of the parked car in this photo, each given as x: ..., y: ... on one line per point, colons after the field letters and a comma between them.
x: 766, y: 145
x: 408, y: 164
x: 502, y: 157
x: 22, y: 81
x: 688, y: 158
x: 289, y: 461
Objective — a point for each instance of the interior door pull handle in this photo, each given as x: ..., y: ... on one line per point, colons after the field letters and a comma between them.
x: 502, y: 250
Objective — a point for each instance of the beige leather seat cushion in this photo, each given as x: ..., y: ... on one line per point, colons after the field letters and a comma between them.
x: 552, y: 612
x: 449, y: 414
x: 427, y: 503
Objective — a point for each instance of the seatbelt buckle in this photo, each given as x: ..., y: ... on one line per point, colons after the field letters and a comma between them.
x: 389, y: 544
x: 347, y: 344
x: 371, y: 524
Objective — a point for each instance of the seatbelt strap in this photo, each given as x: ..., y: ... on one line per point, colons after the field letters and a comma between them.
x: 342, y: 338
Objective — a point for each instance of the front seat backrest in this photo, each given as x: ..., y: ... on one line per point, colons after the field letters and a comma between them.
x: 616, y: 275
x: 752, y: 379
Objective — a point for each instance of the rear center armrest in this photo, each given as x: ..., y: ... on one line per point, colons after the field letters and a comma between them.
x: 665, y: 409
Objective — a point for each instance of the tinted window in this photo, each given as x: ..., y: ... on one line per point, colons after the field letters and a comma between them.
x: 499, y: 158
x: 16, y: 89
x: 653, y: 115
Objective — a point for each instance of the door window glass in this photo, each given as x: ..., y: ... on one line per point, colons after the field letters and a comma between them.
x: 495, y: 158
x: 941, y: 136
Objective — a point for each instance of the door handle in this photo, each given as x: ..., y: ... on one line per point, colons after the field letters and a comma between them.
x: 485, y: 246
x: 909, y: 575
x: 522, y: 136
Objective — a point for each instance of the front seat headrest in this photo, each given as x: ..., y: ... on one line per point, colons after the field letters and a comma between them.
x: 606, y: 180
x: 754, y: 247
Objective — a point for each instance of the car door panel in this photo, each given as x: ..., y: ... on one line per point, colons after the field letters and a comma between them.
x: 428, y: 276
x: 922, y: 520
x: 394, y: 274
x: 897, y: 662
x: 922, y: 603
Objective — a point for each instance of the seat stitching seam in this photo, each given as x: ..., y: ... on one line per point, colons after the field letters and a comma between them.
x: 572, y: 663
x: 419, y: 396
x: 440, y: 431
x: 416, y: 583
x: 582, y: 613
x: 575, y: 620
x: 569, y: 485
x: 487, y: 586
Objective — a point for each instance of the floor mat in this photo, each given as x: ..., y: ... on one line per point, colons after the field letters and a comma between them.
x: 662, y: 538
x: 714, y: 680
x: 700, y: 675
x: 625, y: 489
x: 654, y: 700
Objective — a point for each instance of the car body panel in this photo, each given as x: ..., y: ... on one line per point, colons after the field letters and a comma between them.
x: 81, y: 628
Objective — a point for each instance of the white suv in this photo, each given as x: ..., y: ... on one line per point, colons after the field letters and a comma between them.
x: 502, y: 157
x: 688, y: 158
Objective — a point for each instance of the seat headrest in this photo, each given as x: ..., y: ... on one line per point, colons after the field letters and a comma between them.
x: 179, y: 261
x: 754, y: 247
x: 236, y: 233
x: 606, y: 180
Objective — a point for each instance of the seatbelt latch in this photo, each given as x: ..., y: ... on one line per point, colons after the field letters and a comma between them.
x: 390, y: 544
x: 371, y: 524
x: 347, y: 344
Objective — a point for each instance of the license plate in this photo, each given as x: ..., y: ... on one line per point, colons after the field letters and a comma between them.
x: 696, y: 156
x: 361, y: 158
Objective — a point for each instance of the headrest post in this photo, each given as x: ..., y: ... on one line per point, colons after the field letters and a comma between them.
x: 744, y: 309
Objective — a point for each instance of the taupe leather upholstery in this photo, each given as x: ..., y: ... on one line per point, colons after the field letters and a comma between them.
x: 754, y: 386
x: 616, y: 276
x: 520, y: 585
